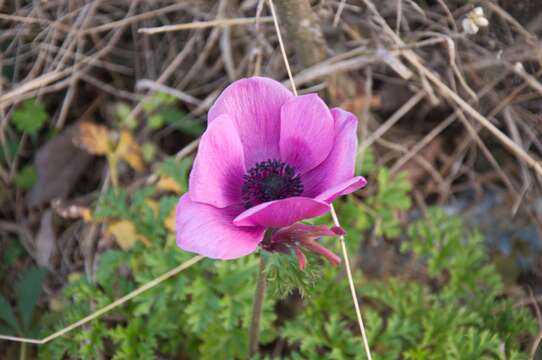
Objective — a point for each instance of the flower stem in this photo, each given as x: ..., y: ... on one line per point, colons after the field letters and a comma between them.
x: 254, y: 330
x: 112, y: 161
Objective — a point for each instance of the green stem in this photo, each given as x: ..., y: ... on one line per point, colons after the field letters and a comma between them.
x: 112, y: 161
x: 254, y: 330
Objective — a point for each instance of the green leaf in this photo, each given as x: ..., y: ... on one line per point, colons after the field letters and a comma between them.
x: 365, y: 163
x: 26, y: 177
x: 181, y: 121
x: 28, y: 289
x: 12, y: 251
x: 156, y: 121
x: 123, y: 112
x: 8, y: 150
x: 148, y: 150
x: 30, y: 117
x: 6, y: 314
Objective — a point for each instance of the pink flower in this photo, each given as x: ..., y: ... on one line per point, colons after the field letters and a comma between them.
x: 268, y: 159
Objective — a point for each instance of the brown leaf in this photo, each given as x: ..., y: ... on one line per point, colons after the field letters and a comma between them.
x: 45, y: 240
x: 59, y: 164
x: 128, y: 150
x: 94, y: 138
x: 358, y: 103
x: 72, y: 211
x: 153, y: 204
x: 125, y: 234
x: 171, y: 221
x: 169, y: 184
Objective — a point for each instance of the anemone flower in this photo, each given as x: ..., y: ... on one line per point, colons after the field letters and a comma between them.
x: 267, y: 160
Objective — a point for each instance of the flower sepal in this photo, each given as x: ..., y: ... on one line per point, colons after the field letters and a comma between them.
x: 302, y: 237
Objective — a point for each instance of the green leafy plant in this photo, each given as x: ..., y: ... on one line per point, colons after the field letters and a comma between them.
x: 20, y: 320
x: 30, y: 116
x: 26, y: 177
x: 457, y: 310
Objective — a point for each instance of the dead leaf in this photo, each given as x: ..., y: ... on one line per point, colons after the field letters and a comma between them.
x: 59, y: 164
x: 125, y: 234
x: 128, y: 150
x: 72, y: 211
x: 171, y: 221
x: 153, y: 205
x: 55, y: 304
x: 169, y: 184
x: 94, y: 138
x: 74, y: 276
x: 358, y: 103
x: 45, y: 240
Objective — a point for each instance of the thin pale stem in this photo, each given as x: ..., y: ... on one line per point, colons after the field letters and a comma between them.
x: 22, y: 354
x: 352, y: 286
x: 333, y: 213
x: 111, y: 306
x: 259, y: 296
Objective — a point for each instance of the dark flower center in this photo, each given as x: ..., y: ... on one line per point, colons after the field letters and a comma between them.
x: 270, y: 180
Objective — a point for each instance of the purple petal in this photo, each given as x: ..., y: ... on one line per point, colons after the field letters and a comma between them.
x: 254, y: 105
x: 217, y: 175
x: 306, y: 132
x: 341, y: 189
x: 339, y: 165
x: 209, y: 231
x: 282, y: 212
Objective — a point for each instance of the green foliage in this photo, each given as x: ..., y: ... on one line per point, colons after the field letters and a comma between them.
x: 27, y: 290
x: 10, y: 254
x: 157, y: 100
x: 8, y: 149
x: 366, y: 162
x: 26, y: 177
x: 456, y: 311
x: 161, y: 111
x: 466, y: 318
x: 181, y: 121
x: 30, y: 116
x: 177, y: 170
x: 123, y: 114
x: 284, y: 275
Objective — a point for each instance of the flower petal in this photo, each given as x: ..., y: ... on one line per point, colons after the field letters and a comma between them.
x: 217, y: 175
x: 346, y: 187
x: 209, y: 231
x: 339, y: 165
x: 254, y: 105
x: 282, y: 212
x: 306, y: 132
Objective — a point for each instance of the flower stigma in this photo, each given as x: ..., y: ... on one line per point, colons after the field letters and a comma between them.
x: 270, y: 180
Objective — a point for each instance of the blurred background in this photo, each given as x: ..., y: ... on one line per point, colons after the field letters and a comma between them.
x: 101, y: 107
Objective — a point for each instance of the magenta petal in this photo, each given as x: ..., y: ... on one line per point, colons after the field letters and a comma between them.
x: 254, y: 105
x: 217, y: 175
x: 339, y: 165
x: 343, y: 188
x: 306, y: 132
x: 209, y: 231
x: 282, y: 212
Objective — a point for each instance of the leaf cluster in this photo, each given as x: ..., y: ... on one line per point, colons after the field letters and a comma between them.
x: 456, y: 312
